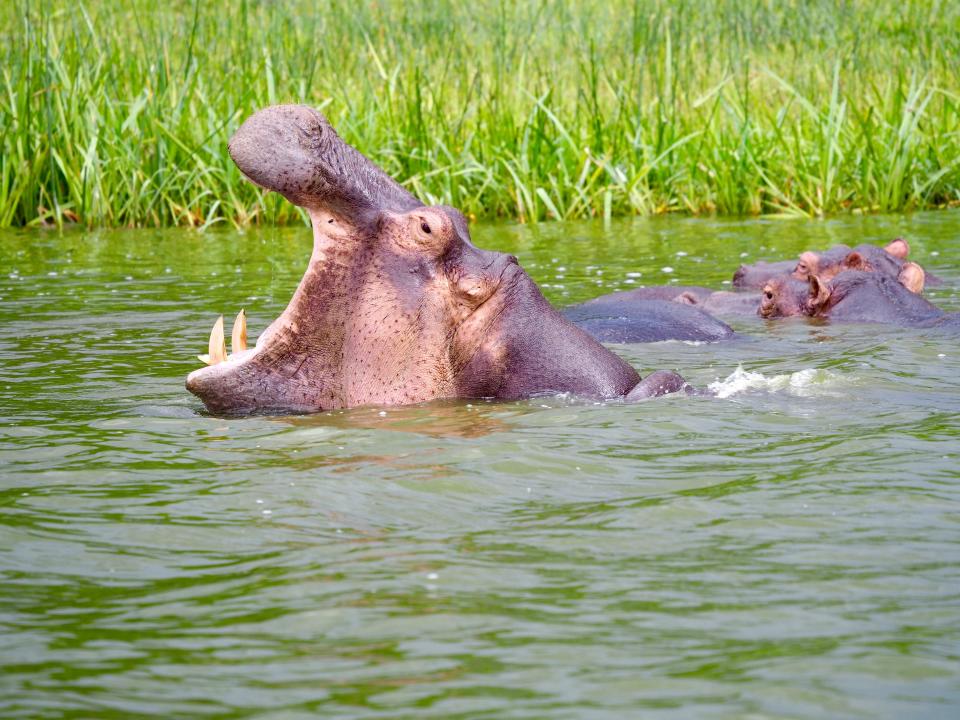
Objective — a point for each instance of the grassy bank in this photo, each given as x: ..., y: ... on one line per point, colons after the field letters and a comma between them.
x: 117, y: 112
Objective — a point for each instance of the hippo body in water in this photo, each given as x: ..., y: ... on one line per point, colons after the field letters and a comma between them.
x: 644, y: 321
x: 397, y: 305
x: 622, y: 318
x: 852, y: 296
x: 663, y: 312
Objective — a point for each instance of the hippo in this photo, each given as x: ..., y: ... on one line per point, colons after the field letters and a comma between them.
x: 890, y: 259
x: 397, y: 306
x: 851, y: 296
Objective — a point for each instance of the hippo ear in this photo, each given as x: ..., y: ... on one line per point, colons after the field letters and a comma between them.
x: 854, y: 261
x: 807, y: 265
x: 686, y: 298
x: 912, y: 277
x: 899, y: 248
x: 293, y: 150
x: 819, y: 293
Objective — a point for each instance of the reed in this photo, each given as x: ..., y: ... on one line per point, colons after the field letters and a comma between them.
x: 117, y: 112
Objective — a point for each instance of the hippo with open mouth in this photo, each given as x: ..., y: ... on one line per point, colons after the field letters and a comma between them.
x: 396, y: 306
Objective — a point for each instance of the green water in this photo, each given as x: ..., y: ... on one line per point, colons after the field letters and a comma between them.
x: 791, y: 550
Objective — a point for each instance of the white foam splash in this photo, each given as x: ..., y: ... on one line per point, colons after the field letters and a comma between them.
x: 802, y: 383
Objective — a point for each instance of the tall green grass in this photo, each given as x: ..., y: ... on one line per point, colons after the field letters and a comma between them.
x: 117, y: 112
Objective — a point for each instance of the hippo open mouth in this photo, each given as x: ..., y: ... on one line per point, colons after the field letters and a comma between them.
x: 396, y: 305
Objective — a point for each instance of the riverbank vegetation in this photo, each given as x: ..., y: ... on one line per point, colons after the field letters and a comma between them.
x: 117, y: 112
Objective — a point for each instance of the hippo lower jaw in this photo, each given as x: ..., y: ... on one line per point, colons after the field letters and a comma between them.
x: 278, y: 374
x: 266, y: 377
x: 272, y: 376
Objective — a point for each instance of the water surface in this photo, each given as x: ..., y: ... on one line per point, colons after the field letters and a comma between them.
x: 790, y: 550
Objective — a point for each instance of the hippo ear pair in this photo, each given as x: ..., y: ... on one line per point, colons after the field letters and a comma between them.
x: 911, y: 275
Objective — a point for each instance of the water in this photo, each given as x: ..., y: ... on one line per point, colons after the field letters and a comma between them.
x: 790, y: 550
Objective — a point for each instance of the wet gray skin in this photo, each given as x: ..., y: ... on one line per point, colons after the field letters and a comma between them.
x: 640, y: 314
x: 687, y: 294
x: 753, y: 277
x: 396, y: 306
x: 622, y: 318
x: 852, y: 296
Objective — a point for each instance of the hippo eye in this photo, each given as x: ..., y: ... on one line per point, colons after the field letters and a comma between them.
x: 425, y: 227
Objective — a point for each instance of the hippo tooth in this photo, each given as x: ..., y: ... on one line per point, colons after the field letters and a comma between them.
x: 217, y: 346
x: 238, y: 338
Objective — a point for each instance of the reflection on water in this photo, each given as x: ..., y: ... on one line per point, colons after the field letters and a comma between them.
x: 441, y: 418
x: 787, y: 551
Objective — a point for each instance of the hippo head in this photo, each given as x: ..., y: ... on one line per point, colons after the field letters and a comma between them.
x: 786, y: 296
x: 396, y: 305
x: 890, y: 261
x: 826, y: 264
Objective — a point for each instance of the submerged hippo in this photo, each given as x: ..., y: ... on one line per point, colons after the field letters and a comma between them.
x: 851, y: 296
x: 623, y: 318
x: 663, y: 312
x: 396, y: 305
x: 889, y: 260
